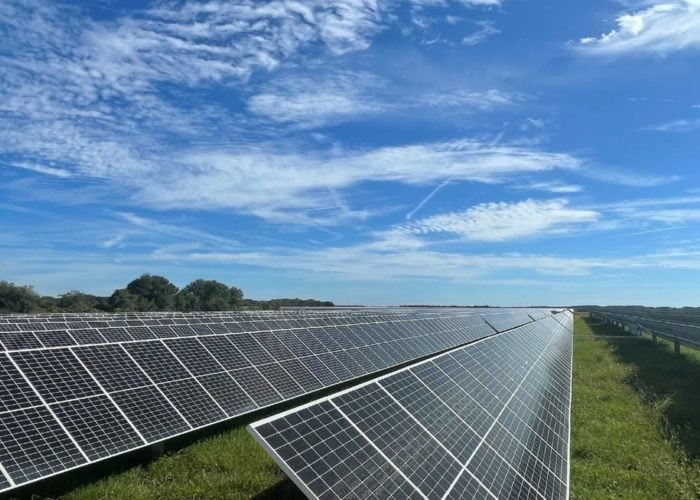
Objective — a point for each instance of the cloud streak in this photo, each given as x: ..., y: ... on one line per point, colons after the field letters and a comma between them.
x: 658, y: 29
x: 495, y: 222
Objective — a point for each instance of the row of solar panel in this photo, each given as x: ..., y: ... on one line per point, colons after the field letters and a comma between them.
x: 488, y: 420
x: 672, y: 329
x: 62, y: 407
x: 169, y: 318
x: 58, y: 321
x: 107, y: 322
x: 97, y: 334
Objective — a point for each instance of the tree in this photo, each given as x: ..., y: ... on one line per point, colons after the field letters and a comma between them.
x: 17, y: 299
x: 76, y: 301
x: 154, y: 293
x: 208, y: 295
x: 123, y: 301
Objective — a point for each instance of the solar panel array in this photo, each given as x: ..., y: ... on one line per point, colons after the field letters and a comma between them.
x: 78, y: 388
x: 487, y: 420
x: 677, y: 325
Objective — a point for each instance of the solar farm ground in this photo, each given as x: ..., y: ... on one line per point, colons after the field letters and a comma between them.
x: 635, y: 434
x: 635, y: 417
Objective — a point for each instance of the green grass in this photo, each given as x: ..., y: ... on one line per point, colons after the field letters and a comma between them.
x: 635, y: 434
x: 635, y: 418
x: 230, y: 465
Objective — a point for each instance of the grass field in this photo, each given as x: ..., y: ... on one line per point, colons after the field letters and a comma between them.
x: 635, y: 434
x: 635, y: 417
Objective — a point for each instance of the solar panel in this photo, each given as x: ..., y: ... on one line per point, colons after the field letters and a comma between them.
x: 486, y: 420
x: 77, y: 388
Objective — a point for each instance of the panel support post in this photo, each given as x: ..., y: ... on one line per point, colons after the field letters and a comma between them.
x: 677, y: 347
x: 158, y: 449
x: 653, y: 337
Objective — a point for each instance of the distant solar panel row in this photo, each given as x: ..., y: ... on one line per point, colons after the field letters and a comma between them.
x: 488, y: 420
x: 683, y: 327
x: 31, y: 332
x: 73, y: 396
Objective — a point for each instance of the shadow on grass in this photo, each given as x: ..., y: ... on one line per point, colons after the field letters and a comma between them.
x: 284, y: 489
x: 663, y: 379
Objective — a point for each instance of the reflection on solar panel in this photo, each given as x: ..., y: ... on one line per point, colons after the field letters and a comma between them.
x: 77, y: 388
x: 486, y: 420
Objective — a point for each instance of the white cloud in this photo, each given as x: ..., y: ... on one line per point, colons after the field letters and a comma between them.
x: 669, y: 216
x: 467, y: 3
x: 554, y: 187
x: 297, y: 187
x: 338, y: 96
x: 682, y: 125
x: 486, y: 30
x: 103, y: 101
x: 660, y: 29
x: 505, y: 221
x: 463, y: 99
x: 372, y: 262
x: 42, y: 169
x: 313, y: 101
x: 630, y: 179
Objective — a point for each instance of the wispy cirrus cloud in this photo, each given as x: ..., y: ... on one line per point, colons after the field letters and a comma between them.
x: 338, y: 96
x: 680, y: 125
x: 42, y: 169
x: 625, y: 178
x: 486, y: 30
x: 659, y: 29
x: 311, y: 101
x: 297, y: 187
x: 556, y: 187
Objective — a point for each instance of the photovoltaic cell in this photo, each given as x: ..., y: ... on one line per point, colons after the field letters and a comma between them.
x: 150, y: 412
x: 251, y: 349
x: 97, y: 426
x: 301, y: 375
x: 55, y: 338
x: 225, y: 352
x: 281, y: 380
x: 272, y: 345
x: 193, y: 402
x: 33, y: 445
x: 116, y: 334
x: 227, y: 393
x: 157, y: 361
x: 194, y: 356
x: 432, y: 413
x: 320, y: 371
x: 112, y: 367
x: 87, y: 336
x: 467, y: 486
x: 56, y: 374
x: 401, y: 439
x: 15, y: 393
x: 20, y: 340
x: 256, y: 386
x: 488, y: 420
x: 327, y: 458
x: 97, y: 374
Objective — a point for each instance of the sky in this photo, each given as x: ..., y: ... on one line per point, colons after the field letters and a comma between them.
x: 503, y: 152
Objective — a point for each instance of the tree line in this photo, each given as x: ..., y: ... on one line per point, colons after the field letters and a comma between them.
x: 146, y: 293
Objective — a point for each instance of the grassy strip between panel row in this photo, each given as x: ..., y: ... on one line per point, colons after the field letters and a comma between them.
x: 231, y: 465
x: 636, y: 434
x: 635, y: 417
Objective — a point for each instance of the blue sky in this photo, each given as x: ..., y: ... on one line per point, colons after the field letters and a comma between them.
x: 502, y: 152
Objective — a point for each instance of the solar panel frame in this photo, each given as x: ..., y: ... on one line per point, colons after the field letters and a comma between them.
x: 390, y: 336
x: 518, y: 482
